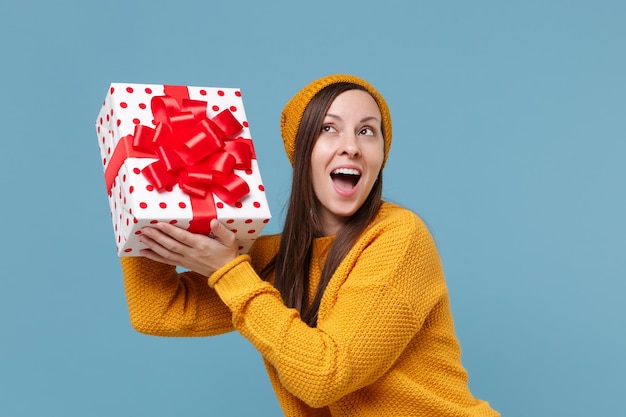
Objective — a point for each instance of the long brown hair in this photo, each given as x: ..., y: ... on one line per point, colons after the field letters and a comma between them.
x: 302, y: 223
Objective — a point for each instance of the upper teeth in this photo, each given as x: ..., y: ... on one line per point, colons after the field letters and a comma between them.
x: 346, y: 171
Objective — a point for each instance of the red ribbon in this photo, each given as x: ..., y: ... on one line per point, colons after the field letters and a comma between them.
x: 192, y: 151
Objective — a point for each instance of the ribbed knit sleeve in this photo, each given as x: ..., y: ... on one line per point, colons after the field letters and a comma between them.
x: 163, y: 302
x: 374, y: 305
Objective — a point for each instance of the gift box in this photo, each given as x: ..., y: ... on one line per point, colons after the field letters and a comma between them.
x: 182, y: 155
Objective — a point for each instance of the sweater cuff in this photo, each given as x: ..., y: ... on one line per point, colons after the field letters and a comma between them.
x: 235, y: 279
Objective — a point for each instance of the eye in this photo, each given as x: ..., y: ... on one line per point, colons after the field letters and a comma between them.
x: 328, y: 129
x: 367, y: 131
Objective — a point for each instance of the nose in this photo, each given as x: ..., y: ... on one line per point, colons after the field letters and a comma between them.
x: 349, y: 145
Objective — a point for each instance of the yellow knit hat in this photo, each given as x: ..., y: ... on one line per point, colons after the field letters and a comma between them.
x: 294, y: 109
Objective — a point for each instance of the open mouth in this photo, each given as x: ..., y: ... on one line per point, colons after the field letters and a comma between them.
x: 345, y: 179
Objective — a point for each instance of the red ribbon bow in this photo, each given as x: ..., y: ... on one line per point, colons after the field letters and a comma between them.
x: 192, y: 151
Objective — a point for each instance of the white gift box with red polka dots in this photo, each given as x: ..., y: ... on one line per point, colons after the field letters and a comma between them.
x: 134, y: 200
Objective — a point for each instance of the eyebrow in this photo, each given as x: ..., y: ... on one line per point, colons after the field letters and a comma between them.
x: 365, y: 119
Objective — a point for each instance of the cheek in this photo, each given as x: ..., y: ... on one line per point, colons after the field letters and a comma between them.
x: 317, y: 166
x: 320, y: 156
x: 376, y: 156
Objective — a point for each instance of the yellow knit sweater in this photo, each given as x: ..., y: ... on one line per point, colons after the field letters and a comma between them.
x: 384, y: 344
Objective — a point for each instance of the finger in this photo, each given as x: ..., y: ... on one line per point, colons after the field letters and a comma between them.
x: 150, y: 254
x: 176, y: 234
x: 222, y: 233
x: 161, y: 243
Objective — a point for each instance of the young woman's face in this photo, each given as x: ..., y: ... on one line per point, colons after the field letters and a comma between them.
x: 346, y: 158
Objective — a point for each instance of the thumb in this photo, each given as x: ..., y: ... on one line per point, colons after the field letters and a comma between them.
x: 221, y: 232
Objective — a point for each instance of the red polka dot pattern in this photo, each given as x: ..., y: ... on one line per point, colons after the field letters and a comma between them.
x: 135, y: 204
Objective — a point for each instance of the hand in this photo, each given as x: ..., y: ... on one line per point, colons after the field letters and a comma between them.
x: 172, y: 245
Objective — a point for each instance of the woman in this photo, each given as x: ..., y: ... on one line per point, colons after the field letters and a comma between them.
x: 348, y: 305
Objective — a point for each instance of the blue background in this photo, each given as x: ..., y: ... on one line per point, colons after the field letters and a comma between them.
x: 509, y: 140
